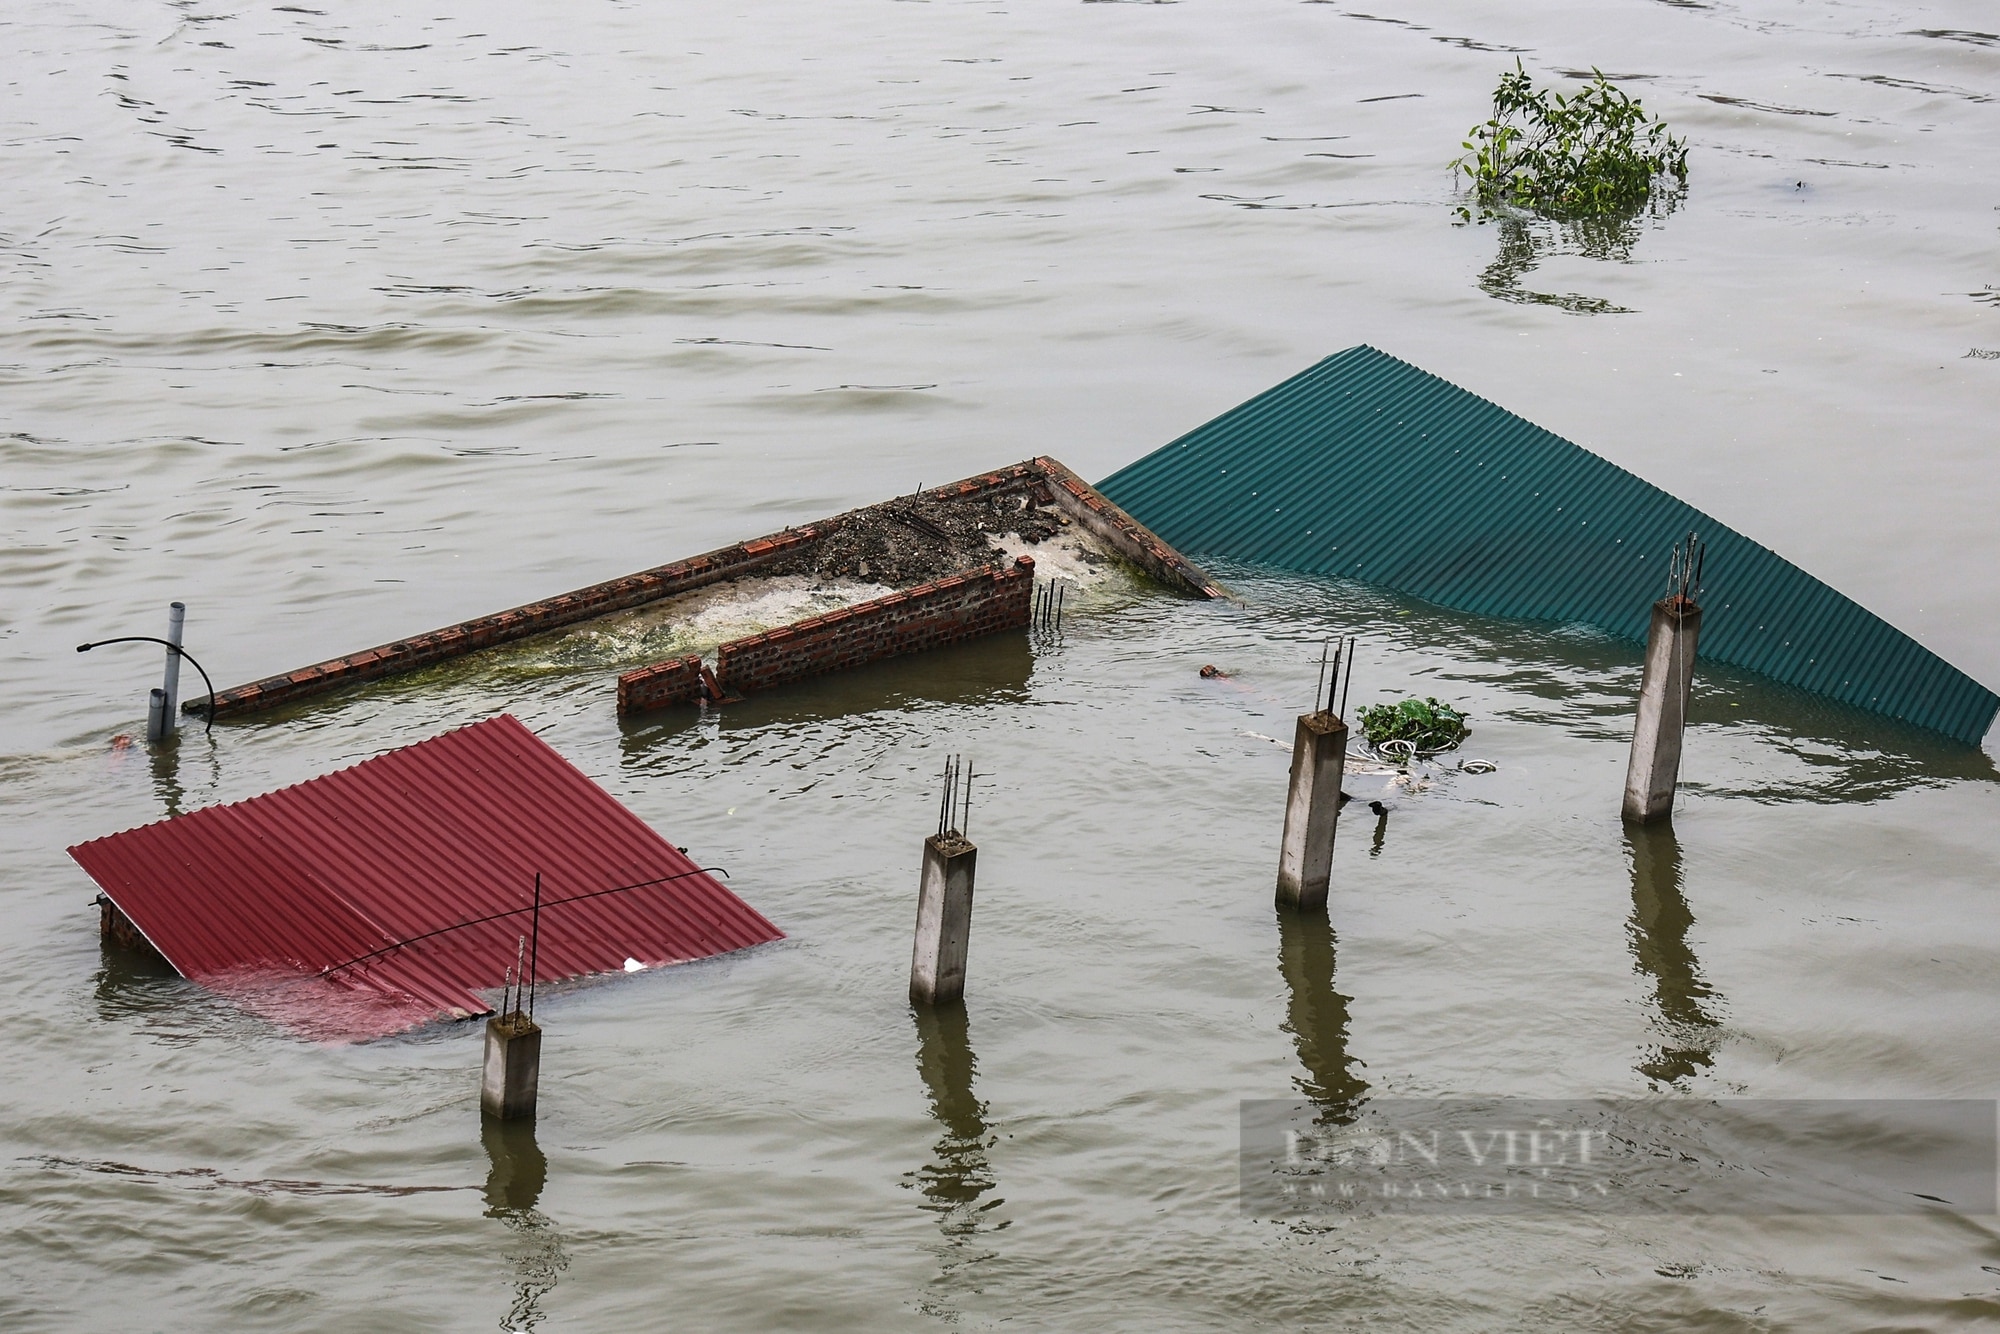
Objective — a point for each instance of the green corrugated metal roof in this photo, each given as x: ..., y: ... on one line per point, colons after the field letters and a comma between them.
x: 1368, y: 468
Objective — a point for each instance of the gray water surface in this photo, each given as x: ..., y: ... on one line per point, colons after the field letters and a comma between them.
x: 343, y: 321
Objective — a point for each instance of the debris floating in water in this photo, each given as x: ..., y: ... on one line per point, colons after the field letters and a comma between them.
x: 1413, y: 729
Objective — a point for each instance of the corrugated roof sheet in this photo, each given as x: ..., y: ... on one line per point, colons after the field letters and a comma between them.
x: 260, y: 896
x: 1366, y: 467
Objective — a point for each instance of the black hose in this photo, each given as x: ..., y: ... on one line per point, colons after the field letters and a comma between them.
x: 514, y: 912
x: 171, y: 647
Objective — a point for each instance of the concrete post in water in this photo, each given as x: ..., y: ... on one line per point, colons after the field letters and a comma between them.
x: 159, y: 723
x: 944, y: 920
x: 176, y: 619
x: 513, y: 1067
x: 1305, y: 862
x: 944, y: 898
x: 1655, y: 768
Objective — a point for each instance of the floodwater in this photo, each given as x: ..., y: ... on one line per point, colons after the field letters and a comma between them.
x: 343, y: 321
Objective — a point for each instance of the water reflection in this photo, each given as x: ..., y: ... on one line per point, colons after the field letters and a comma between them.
x: 958, y: 1176
x: 1682, y: 1001
x: 1524, y: 241
x: 135, y: 983
x: 1317, y: 1018
x: 518, y: 1170
x: 166, y: 764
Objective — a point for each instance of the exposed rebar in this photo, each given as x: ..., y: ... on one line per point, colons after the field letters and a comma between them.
x: 1350, y: 677
x: 1685, y: 566
x: 955, y: 798
x: 535, y: 952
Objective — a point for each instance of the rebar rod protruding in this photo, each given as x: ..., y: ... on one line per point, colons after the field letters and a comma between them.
x: 520, y: 957
x: 1319, y: 686
x: 535, y: 950
x: 1350, y: 677
x: 944, y: 798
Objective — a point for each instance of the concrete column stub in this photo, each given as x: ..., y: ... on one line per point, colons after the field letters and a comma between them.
x: 1319, y: 762
x: 513, y: 1067
x: 1655, y: 768
x: 944, y: 920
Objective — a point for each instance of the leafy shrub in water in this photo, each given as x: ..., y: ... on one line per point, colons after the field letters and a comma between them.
x: 1428, y: 726
x: 1589, y: 154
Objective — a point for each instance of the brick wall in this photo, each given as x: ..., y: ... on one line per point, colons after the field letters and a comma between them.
x: 634, y: 590
x: 944, y: 611
x: 675, y: 681
x: 1043, y: 478
x: 1124, y: 534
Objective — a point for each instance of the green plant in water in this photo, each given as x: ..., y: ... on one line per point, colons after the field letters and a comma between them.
x: 1424, y: 725
x: 1591, y: 154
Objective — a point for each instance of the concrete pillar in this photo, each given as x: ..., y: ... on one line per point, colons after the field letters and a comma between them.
x: 944, y: 920
x: 176, y: 621
x: 513, y: 1067
x: 1319, y: 760
x: 1655, y: 768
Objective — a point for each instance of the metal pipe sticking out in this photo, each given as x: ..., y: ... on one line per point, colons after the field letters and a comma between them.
x: 158, y: 725
x: 171, y: 682
x: 174, y: 650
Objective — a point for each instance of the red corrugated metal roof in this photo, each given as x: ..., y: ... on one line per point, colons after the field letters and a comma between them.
x: 261, y: 896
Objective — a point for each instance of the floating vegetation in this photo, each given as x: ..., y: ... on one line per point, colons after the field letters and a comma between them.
x: 1413, y: 729
x: 1592, y: 154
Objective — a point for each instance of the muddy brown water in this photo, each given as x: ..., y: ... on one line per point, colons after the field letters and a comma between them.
x: 341, y: 322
